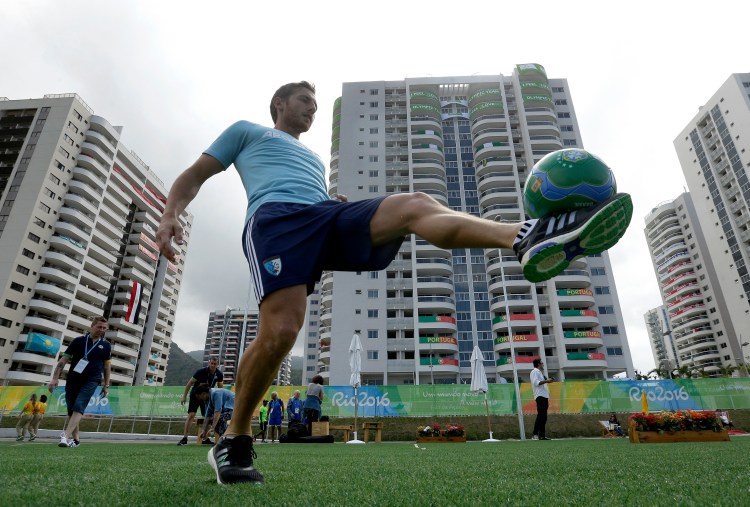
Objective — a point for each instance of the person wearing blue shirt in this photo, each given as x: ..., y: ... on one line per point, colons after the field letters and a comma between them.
x: 294, y: 409
x: 219, y: 407
x: 89, y: 357
x: 275, y: 416
x: 294, y: 231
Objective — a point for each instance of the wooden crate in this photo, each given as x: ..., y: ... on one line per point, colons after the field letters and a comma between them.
x: 421, y: 439
x: 320, y: 428
x: 654, y: 437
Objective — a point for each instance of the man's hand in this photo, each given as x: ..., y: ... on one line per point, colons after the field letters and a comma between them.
x: 182, y: 401
x: 169, y: 228
x: 52, y: 385
x: 341, y: 198
x: 105, y: 391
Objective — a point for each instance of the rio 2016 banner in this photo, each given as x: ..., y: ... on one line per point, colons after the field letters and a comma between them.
x: 572, y: 397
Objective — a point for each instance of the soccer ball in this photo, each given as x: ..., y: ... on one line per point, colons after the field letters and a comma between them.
x: 566, y: 180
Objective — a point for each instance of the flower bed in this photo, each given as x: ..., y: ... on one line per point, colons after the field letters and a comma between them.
x: 434, y: 433
x: 680, y: 426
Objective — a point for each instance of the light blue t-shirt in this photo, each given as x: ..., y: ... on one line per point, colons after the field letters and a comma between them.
x: 219, y: 400
x: 273, y: 166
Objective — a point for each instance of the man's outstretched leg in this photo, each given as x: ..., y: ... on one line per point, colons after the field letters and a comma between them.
x: 282, y: 314
x: 545, y: 246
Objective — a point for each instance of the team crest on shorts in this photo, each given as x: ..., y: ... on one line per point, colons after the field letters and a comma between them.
x: 273, y: 265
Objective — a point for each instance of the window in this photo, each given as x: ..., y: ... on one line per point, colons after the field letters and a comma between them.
x: 310, y: 368
x: 63, y: 152
x: 59, y: 165
x: 374, y: 174
x: 16, y: 287
x: 566, y: 128
x: 606, y: 310
x: 374, y: 130
x: 310, y: 356
x: 374, y: 117
x: 23, y: 270
x: 49, y: 193
x: 610, y: 330
x: 372, y: 275
x: 558, y: 89
x: 598, y: 272
x: 68, y: 139
x: 77, y: 115
x: 563, y: 115
x: 614, y: 351
x: 373, y: 293
x: 372, y: 355
x: 373, y: 158
x: 72, y: 127
x: 11, y: 304
x: 561, y: 102
x: 372, y: 333
x: 373, y: 144
x: 601, y: 290
x: 373, y: 189
x: 569, y: 142
x: 44, y: 207
x: 373, y: 104
x: 27, y: 253
x: 54, y: 179
x: 33, y: 237
x: 372, y: 314
x: 373, y: 92
x: 8, y: 323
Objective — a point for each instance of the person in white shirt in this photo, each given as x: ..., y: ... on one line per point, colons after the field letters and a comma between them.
x: 541, y: 396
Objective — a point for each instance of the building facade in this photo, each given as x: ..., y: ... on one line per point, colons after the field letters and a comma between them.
x: 226, y: 340
x: 470, y: 143
x: 714, y: 153
x: 78, y: 214
x: 661, y: 339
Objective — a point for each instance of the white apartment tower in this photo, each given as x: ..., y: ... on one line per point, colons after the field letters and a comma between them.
x: 469, y: 142
x: 661, y: 338
x: 714, y: 153
x: 226, y: 341
x: 78, y: 213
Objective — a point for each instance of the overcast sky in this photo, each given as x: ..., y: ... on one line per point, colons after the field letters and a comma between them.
x: 175, y: 74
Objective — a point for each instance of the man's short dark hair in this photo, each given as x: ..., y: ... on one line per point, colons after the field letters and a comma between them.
x: 286, y: 91
x: 43, y: 398
x: 317, y: 379
x: 201, y: 389
x: 537, y: 362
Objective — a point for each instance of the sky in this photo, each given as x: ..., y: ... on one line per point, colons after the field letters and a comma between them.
x: 176, y: 74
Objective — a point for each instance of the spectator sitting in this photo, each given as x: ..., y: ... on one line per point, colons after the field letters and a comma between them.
x: 614, y: 424
x: 724, y: 418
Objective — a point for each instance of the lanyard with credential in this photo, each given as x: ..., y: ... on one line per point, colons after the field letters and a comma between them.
x: 87, y: 350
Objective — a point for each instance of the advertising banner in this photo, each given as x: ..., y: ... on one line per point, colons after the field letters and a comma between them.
x: 572, y: 397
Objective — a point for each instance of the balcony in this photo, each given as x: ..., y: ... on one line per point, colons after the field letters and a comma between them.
x: 521, y: 341
x: 575, y: 297
x: 438, y: 343
x: 426, y: 182
x: 581, y: 316
x: 44, y: 323
x: 439, y: 304
x: 85, y: 190
x: 66, y: 261
x: 586, y: 360
x: 80, y: 233
x: 435, y: 323
x: 438, y: 364
x: 60, y: 275
x: 504, y: 364
x: 31, y: 377
x: 434, y: 266
x: 580, y: 337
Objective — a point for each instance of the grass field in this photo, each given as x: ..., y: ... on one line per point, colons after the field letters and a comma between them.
x: 596, y: 472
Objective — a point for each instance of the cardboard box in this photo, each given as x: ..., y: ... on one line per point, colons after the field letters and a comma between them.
x: 319, y: 429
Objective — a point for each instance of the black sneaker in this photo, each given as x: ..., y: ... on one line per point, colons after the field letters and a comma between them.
x: 183, y: 441
x: 232, y: 459
x: 208, y: 441
x: 544, y: 438
x: 555, y: 241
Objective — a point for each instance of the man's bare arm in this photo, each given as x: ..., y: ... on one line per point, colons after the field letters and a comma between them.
x: 183, y: 191
x: 56, y: 373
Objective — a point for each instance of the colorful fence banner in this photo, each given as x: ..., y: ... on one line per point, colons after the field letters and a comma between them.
x: 573, y: 397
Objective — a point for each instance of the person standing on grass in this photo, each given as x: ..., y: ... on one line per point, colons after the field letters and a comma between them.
x: 89, y: 356
x: 262, y: 421
x: 541, y: 396
x: 39, y: 409
x: 210, y: 376
x: 24, y: 420
x: 294, y: 409
x: 275, y: 416
x: 312, y: 407
x: 294, y: 231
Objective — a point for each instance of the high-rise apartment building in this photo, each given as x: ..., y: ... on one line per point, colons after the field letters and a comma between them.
x: 661, y: 339
x: 714, y: 153
x: 690, y: 287
x: 470, y: 143
x: 78, y: 213
x: 226, y: 341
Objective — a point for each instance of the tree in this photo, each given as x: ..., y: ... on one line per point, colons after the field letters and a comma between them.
x: 685, y: 371
x: 662, y: 373
x: 727, y: 371
x: 640, y: 376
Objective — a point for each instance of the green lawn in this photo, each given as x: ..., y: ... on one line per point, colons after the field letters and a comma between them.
x: 597, y: 472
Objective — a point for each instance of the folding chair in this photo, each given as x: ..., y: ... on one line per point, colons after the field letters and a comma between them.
x: 608, y: 430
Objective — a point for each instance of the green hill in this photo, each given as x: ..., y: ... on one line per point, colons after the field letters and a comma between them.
x: 180, y: 367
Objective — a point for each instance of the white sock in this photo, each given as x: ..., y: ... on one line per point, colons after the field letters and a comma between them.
x: 527, y: 227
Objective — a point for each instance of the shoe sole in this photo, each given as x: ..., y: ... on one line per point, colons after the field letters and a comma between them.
x: 601, y: 232
x: 212, y: 462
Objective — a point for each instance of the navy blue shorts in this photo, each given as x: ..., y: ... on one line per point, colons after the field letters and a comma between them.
x: 289, y: 244
x: 77, y: 396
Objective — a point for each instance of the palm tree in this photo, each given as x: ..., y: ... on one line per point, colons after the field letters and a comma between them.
x: 640, y: 376
x: 685, y: 371
x: 662, y: 373
x: 726, y: 371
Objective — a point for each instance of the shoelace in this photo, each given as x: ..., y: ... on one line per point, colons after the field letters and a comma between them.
x: 239, y: 455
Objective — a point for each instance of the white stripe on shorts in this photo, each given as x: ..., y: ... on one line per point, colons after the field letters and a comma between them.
x: 253, y: 262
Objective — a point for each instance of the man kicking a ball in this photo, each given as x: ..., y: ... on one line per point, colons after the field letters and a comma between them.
x: 294, y: 231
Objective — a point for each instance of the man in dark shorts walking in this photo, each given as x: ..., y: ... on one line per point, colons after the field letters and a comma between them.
x: 294, y: 231
x: 89, y: 356
x: 210, y: 376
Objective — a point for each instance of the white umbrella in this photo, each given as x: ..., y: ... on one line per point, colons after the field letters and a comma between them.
x: 479, y: 383
x: 355, y: 365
